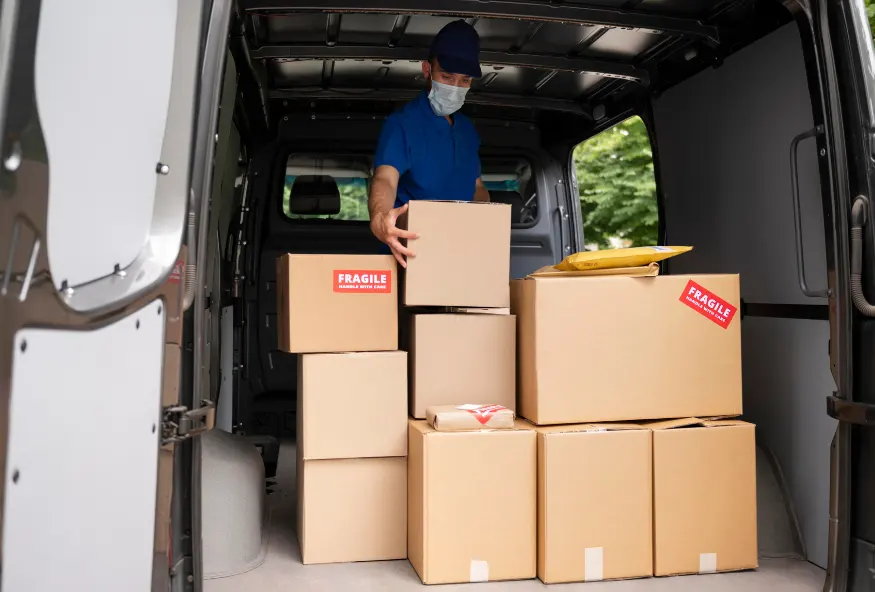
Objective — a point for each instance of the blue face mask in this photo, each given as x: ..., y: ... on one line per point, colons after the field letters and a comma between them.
x: 446, y: 99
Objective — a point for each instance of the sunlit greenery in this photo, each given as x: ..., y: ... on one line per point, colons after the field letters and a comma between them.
x: 617, y: 187
x: 870, y: 11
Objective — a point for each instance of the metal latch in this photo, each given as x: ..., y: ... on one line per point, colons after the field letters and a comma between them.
x: 180, y: 423
x: 850, y: 411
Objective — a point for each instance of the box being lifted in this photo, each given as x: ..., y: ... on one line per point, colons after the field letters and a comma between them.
x: 337, y: 303
x: 462, y: 254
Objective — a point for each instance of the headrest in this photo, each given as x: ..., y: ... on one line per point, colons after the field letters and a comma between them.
x: 314, y: 195
x: 509, y: 197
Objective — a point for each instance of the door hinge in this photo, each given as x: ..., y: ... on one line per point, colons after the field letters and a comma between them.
x: 180, y: 423
x: 862, y: 414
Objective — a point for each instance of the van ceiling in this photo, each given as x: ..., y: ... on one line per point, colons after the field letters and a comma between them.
x: 579, y: 59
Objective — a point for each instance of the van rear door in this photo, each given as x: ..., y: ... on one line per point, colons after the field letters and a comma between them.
x: 96, y: 120
x: 848, y: 81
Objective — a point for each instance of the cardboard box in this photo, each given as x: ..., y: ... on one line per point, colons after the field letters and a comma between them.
x: 352, y: 405
x: 462, y: 358
x: 595, y: 349
x: 704, y: 495
x: 595, y: 503
x: 466, y: 418
x: 352, y: 509
x: 337, y: 303
x: 462, y: 254
x: 471, y: 504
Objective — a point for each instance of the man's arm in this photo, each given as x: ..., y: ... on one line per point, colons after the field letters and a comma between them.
x: 480, y: 191
x: 384, y: 216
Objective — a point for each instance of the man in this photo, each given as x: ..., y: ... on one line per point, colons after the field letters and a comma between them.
x: 428, y: 150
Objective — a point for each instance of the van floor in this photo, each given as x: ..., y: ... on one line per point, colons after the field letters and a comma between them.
x: 283, y: 570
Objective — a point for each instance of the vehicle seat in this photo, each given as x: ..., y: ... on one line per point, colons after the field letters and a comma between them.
x: 510, y: 197
x: 314, y: 195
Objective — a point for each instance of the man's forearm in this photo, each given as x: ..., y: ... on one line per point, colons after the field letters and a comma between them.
x: 381, y: 198
x: 481, y: 193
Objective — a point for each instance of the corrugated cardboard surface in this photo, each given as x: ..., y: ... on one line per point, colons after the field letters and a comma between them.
x: 595, y: 503
x: 624, y: 348
x: 462, y: 254
x: 352, y: 509
x: 313, y: 317
x: 353, y: 405
x: 462, y: 358
x: 704, y: 487
x: 472, y: 504
x: 465, y: 418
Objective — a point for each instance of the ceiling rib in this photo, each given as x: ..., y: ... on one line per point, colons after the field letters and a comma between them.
x: 506, y: 9
x: 398, y: 29
x: 474, y: 97
x: 332, y: 28
x: 604, y: 68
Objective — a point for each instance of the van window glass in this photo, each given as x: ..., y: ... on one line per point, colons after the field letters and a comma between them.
x: 350, y: 174
x: 511, y: 180
x: 617, y: 187
x: 353, y: 199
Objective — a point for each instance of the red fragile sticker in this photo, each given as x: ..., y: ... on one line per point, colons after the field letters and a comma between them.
x: 176, y: 274
x: 358, y: 280
x: 708, y: 304
x: 485, y: 413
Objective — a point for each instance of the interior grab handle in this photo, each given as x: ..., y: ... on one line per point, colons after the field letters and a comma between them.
x: 797, y: 214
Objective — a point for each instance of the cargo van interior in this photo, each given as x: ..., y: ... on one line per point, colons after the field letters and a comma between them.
x: 726, y: 90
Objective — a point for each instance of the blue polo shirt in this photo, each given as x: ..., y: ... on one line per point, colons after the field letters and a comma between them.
x: 435, y: 160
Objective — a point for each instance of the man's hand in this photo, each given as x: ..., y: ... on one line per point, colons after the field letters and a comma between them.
x: 385, y: 227
x: 384, y: 218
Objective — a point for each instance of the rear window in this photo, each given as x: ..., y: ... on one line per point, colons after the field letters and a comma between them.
x: 323, y: 179
x: 504, y: 185
x: 353, y: 200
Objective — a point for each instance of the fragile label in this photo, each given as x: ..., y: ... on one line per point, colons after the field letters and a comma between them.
x: 483, y: 413
x: 370, y: 281
x: 176, y: 274
x: 708, y: 304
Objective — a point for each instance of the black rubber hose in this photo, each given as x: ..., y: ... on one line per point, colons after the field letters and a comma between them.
x: 858, y: 220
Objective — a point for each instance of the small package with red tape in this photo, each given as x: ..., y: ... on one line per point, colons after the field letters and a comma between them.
x: 463, y: 418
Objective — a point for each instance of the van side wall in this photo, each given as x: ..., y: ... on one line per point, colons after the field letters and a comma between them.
x: 723, y: 140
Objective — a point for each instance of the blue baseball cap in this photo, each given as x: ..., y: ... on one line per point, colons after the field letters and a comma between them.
x: 457, y: 49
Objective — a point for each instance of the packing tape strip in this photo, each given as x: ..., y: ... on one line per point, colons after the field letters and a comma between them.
x: 593, y: 564
x: 479, y: 571
x: 707, y: 563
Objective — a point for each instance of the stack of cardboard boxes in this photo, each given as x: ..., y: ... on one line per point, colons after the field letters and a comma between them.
x: 471, y: 493
x: 629, y: 464
x: 340, y: 313
x: 651, y: 497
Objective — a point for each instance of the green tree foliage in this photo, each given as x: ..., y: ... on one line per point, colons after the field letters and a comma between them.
x: 870, y: 12
x: 617, y: 186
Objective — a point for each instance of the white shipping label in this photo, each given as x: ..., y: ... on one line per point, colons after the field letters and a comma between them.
x: 707, y: 563
x: 479, y: 571
x: 469, y: 407
x: 593, y: 564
